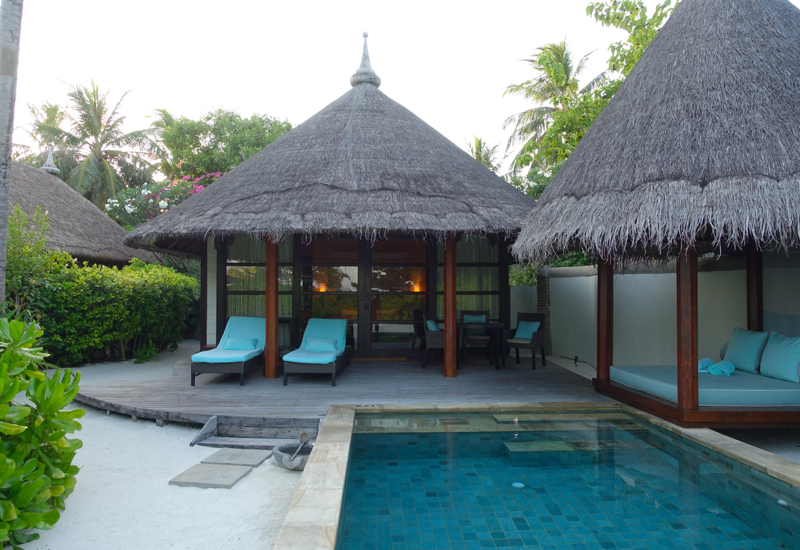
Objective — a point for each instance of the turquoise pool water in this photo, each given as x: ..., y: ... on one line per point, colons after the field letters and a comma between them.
x: 589, y: 481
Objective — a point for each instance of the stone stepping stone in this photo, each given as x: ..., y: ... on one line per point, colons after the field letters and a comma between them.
x: 211, y: 476
x: 238, y: 457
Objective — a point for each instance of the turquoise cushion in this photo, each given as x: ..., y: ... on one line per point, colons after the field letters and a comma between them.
x: 312, y: 357
x: 335, y: 329
x: 432, y: 326
x: 320, y: 344
x: 525, y: 329
x: 745, y: 348
x: 240, y: 343
x: 474, y: 318
x: 218, y: 355
x: 781, y: 358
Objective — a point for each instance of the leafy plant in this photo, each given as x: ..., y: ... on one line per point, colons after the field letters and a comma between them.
x: 36, y: 470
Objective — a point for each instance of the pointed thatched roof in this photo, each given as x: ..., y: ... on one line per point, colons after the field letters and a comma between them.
x: 364, y: 165
x: 76, y: 225
x: 703, y: 138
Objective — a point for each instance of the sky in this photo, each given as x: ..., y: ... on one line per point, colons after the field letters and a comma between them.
x: 448, y: 62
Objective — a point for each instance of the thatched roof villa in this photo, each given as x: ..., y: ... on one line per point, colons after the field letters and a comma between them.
x: 76, y: 225
x: 364, y: 212
x: 698, y: 152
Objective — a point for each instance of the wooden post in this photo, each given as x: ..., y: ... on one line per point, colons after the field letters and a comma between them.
x: 605, y: 319
x: 271, y: 342
x: 687, y: 329
x: 755, y: 288
x: 450, y: 306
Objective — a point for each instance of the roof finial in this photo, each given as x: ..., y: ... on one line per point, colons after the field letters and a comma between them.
x: 50, y: 166
x: 365, y: 72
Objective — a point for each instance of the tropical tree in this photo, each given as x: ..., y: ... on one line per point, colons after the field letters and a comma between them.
x: 101, y: 158
x: 480, y: 151
x: 554, y: 85
x: 214, y: 144
x: 10, y: 23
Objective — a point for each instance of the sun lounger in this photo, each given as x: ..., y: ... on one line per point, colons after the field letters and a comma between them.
x: 240, y: 350
x: 322, y: 350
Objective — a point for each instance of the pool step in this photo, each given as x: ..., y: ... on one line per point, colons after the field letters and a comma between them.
x: 558, y: 417
x: 566, y: 452
x: 253, y: 432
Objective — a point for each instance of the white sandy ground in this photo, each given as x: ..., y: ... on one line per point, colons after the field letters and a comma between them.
x: 123, y: 501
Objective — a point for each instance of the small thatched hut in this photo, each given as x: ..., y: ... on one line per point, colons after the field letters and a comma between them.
x: 699, y: 151
x: 346, y: 216
x: 76, y: 225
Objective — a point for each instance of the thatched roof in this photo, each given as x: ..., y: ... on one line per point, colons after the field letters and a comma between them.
x: 703, y: 138
x: 364, y: 165
x: 76, y: 225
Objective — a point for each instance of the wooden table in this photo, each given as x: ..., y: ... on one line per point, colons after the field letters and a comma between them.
x: 495, y: 331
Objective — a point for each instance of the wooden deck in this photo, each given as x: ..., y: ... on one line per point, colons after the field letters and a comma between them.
x: 174, y: 399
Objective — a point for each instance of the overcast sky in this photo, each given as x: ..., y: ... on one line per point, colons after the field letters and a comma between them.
x: 447, y: 61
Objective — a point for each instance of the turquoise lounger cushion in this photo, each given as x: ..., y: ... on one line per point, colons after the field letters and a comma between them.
x: 326, y: 328
x: 525, y: 330
x: 781, y: 358
x: 312, y: 357
x: 320, y: 344
x: 745, y: 348
x: 432, y: 326
x: 741, y: 389
x: 240, y: 344
x: 225, y: 355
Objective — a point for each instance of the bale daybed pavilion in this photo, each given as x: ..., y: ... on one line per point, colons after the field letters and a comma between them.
x: 698, y: 154
x: 363, y: 212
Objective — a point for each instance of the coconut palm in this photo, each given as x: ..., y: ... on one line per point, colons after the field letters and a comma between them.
x: 106, y: 159
x: 480, y: 151
x: 553, y: 86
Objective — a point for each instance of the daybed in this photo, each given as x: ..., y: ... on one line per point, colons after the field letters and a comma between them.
x: 323, y: 350
x: 240, y: 350
x: 765, y: 373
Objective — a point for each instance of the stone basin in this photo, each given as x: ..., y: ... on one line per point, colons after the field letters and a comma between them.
x: 283, y: 455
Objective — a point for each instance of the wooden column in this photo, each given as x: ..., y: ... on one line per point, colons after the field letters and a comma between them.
x: 687, y: 329
x: 605, y: 319
x: 450, y: 306
x: 271, y: 342
x: 755, y: 288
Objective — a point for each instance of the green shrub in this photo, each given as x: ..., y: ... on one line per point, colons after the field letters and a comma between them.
x: 36, y: 471
x: 96, y: 311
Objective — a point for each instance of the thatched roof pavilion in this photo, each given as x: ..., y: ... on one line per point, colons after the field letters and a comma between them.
x: 699, y: 150
x: 363, y: 165
x: 76, y: 225
x: 362, y: 183
x: 702, y: 140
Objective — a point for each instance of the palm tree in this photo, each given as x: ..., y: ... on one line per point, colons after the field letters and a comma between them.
x: 484, y: 154
x: 553, y: 86
x: 106, y: 159
x: 10, y: 23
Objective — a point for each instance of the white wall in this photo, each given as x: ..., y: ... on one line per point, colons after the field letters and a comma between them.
x: 645, y: 315
x: 523, y: 299
x: 211, y: 293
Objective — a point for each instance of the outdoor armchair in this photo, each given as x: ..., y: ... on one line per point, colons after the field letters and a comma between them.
x: 240, y: 350
x: 476, y: 337
x: 323, y: 350
x: 534, y: 342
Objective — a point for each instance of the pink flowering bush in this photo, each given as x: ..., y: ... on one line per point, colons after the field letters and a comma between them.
x: 134, y: 206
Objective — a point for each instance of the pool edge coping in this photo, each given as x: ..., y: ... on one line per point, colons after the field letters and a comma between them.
x: 312, y: 520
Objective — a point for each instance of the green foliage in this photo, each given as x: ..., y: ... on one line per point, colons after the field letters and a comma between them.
x: 630, y: 16
x: 133, y: 207
x: 215, y: 143
x: 522, y: 275
x: 483, y: 153
x: 36, y: 470
x: 87, y: 310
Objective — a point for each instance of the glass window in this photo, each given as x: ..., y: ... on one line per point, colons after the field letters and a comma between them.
x: 396, y: 308
x: 399, y: 251
x: 471, y: 279
x: 251, y: 278
x: 331, y: 306
x: 398, y: 278
x: 254, y: 305
x: 248, y: 250
x: 329, y: 279
x: 474, y: 250
x: 330, y: 250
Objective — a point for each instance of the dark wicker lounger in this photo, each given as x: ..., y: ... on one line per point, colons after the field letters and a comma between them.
x: 242, y: 344
x: 322, y: 351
